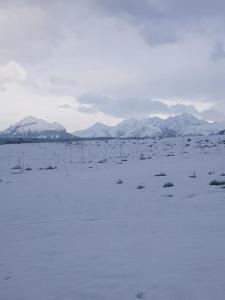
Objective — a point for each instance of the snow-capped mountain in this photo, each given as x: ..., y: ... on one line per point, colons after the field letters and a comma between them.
x: 31, y: 127
x: 135, y: 128
x: 183, y: 124
x: 95, y: 131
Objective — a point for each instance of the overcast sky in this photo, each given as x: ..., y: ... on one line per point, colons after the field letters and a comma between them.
x: 84, y: 61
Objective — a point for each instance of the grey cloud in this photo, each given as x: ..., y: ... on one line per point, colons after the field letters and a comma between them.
x: 218, y: 52
x: 163, y: 8
x: 121, y: 107
x: 82, y: 108
x: 132, y: 9
x: 31, y: 33
x: 62, y: 81
x: 161, y: 21
x: 31, y: 30
x: 87, y: 109
x: 66, y: 106
x: 2, y: 88
x: 158, y: 33
x: 147, y: 16
x: 106, y: 45
x: 139, y: 107
x: 182, y: 108
x: 54, y: 84
x: 43, y: 25
x: 213, y: 115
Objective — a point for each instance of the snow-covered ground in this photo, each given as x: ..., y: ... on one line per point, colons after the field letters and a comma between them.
x: 68, y: 231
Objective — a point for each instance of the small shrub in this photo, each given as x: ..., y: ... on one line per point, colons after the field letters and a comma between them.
x: 50, y: 168
x: 28, y: 169
x: 168, y: 184
x: 102, y: 161
x: 142, y: 157
x: 119, y: 181
x: 140, y: 187
x: 170, y: 154
x: 217, y: 182
x: 160, y: 174
x: 17, y: 167
x: 211, y: 173
x: 193, y: 175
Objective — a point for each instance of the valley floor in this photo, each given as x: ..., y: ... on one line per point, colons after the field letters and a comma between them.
x: 68, y: 231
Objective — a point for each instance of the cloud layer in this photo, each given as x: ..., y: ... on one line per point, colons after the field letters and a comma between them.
x: 172, y: 51
x: 134, y: 107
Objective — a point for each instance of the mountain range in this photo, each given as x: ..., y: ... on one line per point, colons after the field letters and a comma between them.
x: 183, y: 124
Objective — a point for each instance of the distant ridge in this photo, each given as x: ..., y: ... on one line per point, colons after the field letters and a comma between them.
x: 183, y: 124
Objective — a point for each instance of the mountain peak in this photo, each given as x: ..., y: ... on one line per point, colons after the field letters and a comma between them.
x: 96, y: 130
x: 31, y: 127
x: 28, y: 120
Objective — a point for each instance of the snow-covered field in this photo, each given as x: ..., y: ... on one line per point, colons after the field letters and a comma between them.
x: 69, y: 231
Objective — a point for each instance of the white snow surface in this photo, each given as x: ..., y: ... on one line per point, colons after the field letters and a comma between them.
x: 183, y: 124
x: 72, y: 233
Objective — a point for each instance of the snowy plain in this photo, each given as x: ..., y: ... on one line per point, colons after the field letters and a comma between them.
x: 70, y: 231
